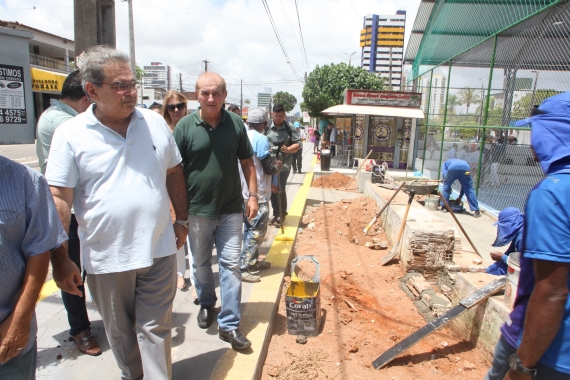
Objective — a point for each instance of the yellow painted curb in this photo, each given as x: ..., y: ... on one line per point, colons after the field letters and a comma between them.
x: 260, y: 309
x: 47, y: 290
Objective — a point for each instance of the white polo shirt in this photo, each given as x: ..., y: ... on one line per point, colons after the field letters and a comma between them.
x: 121, y: 202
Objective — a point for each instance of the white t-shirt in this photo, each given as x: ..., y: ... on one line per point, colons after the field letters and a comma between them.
x: 260, y: 145
x: 120, y: 201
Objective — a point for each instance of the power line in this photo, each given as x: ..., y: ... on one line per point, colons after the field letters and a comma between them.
x: 291, y: 27
x: 279, y: 38
x: 301, y: 32
x: 355, y: 11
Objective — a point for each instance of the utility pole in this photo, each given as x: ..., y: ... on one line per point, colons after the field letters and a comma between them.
x: 241, y: 98
x: 533, y: 91
x: 181, y: 82
x: 94, y: 23
x: 132, y: 37
x: 206, y: 64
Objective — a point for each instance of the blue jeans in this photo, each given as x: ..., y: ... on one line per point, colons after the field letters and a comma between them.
x: 225, y: 231
x: 21, y: 367
x: 253, y: 233
x: 500, y: 365
x: 466, y: 184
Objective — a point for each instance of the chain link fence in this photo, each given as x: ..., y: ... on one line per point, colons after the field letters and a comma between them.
x: 472, y: 102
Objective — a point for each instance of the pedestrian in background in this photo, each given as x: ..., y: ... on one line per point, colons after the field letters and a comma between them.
x: 73, y: 101
x: 254, y: 230
x: 211, y: 140
x: 281, y: 135
x: 175, y: 108
x: 118, y: 166
x: 156, y: 107
x: 317, y: 140
x: 298, y: 156
x: 535, y: 342
x: 29, y: 230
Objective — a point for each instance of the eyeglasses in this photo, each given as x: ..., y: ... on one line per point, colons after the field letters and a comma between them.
x: 123, y: 86
x: 180, y: 106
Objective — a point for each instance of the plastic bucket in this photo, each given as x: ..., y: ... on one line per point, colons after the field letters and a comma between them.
x: 431, y: 202
x: 513, y: 274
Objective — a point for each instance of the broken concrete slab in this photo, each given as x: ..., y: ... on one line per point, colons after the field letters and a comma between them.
x: 427, y: 241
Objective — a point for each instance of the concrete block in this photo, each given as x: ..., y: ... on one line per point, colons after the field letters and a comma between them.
x: 480, y: 325
x: 363, y: 178
x: 426, y: 240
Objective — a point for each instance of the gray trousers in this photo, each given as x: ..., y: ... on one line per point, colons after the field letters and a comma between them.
x: 136, y: 307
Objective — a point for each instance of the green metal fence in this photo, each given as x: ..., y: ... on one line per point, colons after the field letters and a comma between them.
x: 472, y: 101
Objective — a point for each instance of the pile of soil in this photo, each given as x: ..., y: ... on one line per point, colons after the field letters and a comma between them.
x: 335, y: 181
x: 363, y: 310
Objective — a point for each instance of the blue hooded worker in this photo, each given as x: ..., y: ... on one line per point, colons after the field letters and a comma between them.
x: 459, y: 170
x: 509, y: 230
x: 535, y: 342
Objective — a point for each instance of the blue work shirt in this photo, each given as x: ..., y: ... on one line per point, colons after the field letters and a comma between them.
x: 29, y: 226
x: 499, y: 268
x: 546, y: 237
x: 454, y: 164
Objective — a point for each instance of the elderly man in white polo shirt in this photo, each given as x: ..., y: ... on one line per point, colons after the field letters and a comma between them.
x: 119, y: 166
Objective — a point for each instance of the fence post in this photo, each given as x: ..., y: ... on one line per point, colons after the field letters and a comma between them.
x: 427, y: 120
x: 491, y: 67
x: 444, y: 119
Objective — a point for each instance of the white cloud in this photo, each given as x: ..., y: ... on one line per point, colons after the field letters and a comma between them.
x: 234, y: 35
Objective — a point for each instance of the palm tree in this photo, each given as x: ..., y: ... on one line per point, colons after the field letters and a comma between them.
x: 469, y: 96
x: 452, y: 102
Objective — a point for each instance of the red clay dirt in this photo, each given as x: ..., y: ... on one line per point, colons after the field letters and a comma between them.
x: 364, y: 312
x: 336, y: 181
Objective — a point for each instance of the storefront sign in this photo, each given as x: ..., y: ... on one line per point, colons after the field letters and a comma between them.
x: 12, y: 97
x: 47, y: 81
x: 383, y: 98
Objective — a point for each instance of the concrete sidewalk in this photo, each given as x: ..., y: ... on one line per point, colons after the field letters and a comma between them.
x: 195, y: 352
x: 22, y: 153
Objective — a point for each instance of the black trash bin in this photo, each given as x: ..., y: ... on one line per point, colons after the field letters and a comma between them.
x: 325, y: 160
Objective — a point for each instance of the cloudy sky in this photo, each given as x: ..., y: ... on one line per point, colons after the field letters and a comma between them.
x: 235, y: 36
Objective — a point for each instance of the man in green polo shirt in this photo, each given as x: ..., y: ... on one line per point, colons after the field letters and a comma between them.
x: 212, y: 141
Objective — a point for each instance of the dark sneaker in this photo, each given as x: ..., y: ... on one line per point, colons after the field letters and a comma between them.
x: 278, y: 222
x: 205, y: 317
x: 272, y: 221
x: 443, y: 209
x: 250, y: 277
x: 299, y: 171
x: 237, y: 339
x: 477, y: 214
x: 262, y: 265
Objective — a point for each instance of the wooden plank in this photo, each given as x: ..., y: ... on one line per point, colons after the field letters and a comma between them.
x: 464, y: 305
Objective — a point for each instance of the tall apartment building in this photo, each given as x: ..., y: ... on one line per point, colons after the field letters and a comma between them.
x: 157, y: 76
x: 382, y: 43
x: 437, y: 100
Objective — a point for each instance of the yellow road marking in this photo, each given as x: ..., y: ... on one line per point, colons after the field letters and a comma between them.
x: 47, y: 290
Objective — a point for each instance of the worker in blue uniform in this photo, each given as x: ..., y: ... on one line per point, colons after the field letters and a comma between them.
x: 459, y: 170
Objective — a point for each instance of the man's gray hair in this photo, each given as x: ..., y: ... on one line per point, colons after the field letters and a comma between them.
x: 96, y: 59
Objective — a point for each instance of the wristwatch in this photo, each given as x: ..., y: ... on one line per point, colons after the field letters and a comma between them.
x: 185, y: 223
x: 516, y: 365
x: 254, y: 196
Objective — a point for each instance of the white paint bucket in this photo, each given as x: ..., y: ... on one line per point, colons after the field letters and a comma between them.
x: 431, y: 202
x: 513, y: 273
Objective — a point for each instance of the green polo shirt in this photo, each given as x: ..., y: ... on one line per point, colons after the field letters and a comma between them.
x: 210, y: 157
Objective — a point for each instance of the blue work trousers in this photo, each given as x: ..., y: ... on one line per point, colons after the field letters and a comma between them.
x: 466, y: 184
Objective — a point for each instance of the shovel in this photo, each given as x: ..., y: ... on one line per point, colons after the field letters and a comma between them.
x: 367, y: 228
x: 394, y: 252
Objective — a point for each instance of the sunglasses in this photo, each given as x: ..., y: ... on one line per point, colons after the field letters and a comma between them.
x: 179, y: 106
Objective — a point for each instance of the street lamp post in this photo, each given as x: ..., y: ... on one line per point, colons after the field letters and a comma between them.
x: 349, y: 57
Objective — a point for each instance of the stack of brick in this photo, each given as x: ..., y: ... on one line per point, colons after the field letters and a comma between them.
x: 422, y: 290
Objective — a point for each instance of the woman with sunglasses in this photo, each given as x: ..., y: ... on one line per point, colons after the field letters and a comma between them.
x: 173, y: 110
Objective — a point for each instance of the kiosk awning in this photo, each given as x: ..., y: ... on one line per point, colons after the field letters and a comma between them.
x: 346, y: 109
x: 47, y: 81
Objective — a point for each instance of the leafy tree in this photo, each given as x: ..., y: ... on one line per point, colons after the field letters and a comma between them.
x: 247, y: 102
x: 469, y: 96
x: 286, y: 99
x: 303, y: 106
x: 140, y: 73
x: 522, y: 108
x: 325, y: 85
x: 452, y: 102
